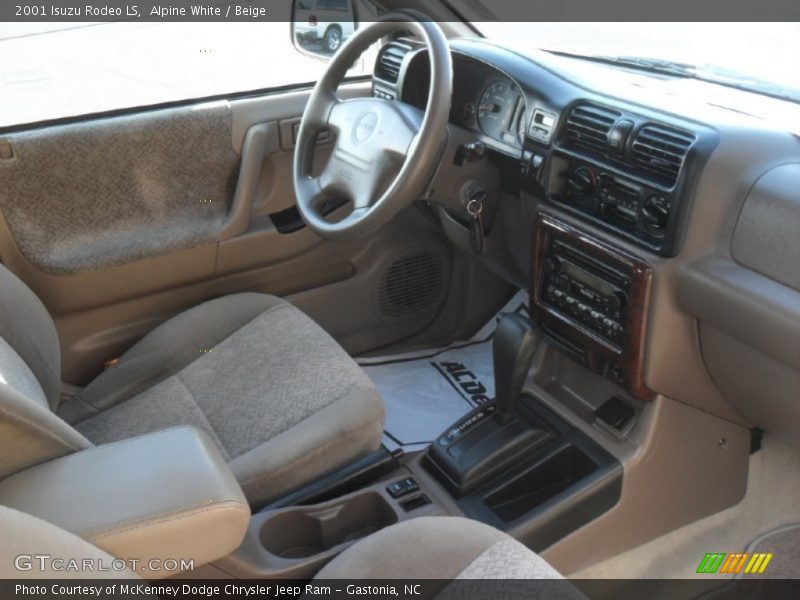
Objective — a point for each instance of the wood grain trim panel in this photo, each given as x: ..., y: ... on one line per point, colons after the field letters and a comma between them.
x: 599, y: 353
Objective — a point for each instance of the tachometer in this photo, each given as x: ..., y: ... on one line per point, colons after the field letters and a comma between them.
x: 495, y: 108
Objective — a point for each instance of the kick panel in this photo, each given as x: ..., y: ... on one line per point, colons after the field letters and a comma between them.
x: 412, y: 284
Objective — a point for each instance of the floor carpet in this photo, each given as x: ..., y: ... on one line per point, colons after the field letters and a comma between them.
x: 428, y: 390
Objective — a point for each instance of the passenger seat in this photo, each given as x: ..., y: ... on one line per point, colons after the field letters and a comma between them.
x: 443, y: 548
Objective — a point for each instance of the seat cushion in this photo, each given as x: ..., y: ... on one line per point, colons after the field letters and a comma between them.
x: 282, y: 400
x: 461, y: 553
x: 438, y: 548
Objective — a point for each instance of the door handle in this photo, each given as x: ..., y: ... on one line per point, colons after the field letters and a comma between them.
x: 261, y: 139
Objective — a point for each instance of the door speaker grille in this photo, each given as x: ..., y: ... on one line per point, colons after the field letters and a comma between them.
x: 411, y: 285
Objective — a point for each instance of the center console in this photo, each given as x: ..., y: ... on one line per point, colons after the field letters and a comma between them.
x: 515, y: 464
x: 295, y: 542
x: 591, y: 299
x: 154, y: 498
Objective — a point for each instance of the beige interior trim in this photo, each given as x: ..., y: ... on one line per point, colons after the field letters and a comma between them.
x: 260, y: 140
x: 675, y: 449
x: 167, y: 495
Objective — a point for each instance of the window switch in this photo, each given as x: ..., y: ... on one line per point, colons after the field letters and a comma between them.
x: 402, y: 487
x: 395, y: 489
x: 410, y: 485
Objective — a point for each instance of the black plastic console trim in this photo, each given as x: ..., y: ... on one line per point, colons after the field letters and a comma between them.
x: 347, y: 479
x: 568, y: 482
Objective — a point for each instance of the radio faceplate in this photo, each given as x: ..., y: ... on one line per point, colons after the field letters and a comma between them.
x: 591, y: 299
x: 586, y: 290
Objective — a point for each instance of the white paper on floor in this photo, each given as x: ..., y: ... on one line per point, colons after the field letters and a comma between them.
x: 427, y: 391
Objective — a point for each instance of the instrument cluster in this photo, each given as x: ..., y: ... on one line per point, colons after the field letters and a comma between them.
x: 485, y: 101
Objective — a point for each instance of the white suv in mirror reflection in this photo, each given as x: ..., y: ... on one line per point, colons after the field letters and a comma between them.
x: 323, y: 24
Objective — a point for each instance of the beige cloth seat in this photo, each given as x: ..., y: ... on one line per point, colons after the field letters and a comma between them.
x: 281, y: 399
x: 454, y: 550
x: 466, y: 558
x: 30, y: 545
x: 438, y: 548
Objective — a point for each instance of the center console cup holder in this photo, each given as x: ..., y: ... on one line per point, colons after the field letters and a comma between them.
x: 302, y: 532
x: 297, y: 541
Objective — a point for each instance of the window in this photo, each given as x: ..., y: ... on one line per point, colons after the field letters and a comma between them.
x: 54, y: 70
x: 759, y: 57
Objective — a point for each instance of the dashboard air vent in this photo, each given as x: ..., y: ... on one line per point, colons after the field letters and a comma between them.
x: 390, y: 59
x: 588, y: 126
x: 661, y: 150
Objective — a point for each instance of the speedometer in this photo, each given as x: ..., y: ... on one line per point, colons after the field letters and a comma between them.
x: 495, y: 108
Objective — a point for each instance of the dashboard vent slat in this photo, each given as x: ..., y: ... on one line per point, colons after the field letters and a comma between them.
x: 587, y: 126
x: 661, y: 150
x: 390, y: 61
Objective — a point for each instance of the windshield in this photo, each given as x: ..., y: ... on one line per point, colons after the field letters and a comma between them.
x: 760, y: 57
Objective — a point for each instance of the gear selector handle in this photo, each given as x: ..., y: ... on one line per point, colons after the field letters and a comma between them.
x: 515, y: 342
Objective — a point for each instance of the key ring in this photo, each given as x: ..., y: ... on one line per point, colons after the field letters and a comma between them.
x: 473, y: 211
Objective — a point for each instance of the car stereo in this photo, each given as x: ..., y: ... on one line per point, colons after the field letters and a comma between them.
x: 586, y: 290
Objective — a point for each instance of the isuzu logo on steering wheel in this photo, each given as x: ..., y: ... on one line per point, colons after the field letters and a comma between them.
x: 365, y: 126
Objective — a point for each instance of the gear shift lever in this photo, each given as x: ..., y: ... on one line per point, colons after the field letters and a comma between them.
x: 515, y: 342
x: 482, y: 444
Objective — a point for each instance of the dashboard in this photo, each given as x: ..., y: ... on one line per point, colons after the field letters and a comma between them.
x: 624, y: 168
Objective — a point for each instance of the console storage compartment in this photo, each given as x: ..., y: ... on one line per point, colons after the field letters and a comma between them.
x: 550, y: 490
x: 540, y: 483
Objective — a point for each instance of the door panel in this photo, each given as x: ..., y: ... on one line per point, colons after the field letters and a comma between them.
x: 120, y: 223
x: 108, y: 192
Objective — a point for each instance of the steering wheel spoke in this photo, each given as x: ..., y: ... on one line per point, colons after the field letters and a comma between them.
x: 406, y: 128
x: 314, y: 192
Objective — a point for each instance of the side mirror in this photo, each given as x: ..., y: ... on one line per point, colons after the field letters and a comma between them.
x: 320, y: 27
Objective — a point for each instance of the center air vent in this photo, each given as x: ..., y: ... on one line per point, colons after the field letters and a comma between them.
x: 661, y: 150
x: 588, y: 126
x: 390, y: 60
x: 411, y: 285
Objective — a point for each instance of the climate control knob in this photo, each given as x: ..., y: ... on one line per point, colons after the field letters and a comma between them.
x: 581, y: 181
x: 655, y: 214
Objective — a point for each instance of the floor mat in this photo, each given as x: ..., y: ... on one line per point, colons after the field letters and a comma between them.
x: 426, y: 391
x: 781, y: 548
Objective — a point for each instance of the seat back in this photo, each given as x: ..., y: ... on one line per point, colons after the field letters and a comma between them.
x: 27, y: 329
x: 30, y: 382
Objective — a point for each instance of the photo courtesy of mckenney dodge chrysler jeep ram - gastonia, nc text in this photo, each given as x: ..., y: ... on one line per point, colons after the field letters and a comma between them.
x: 441, y: 299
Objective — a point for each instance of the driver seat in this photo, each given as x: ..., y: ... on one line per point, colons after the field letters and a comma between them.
x: 281, y: 399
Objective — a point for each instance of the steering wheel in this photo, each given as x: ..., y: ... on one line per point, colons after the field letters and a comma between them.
x: 385, y: 151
